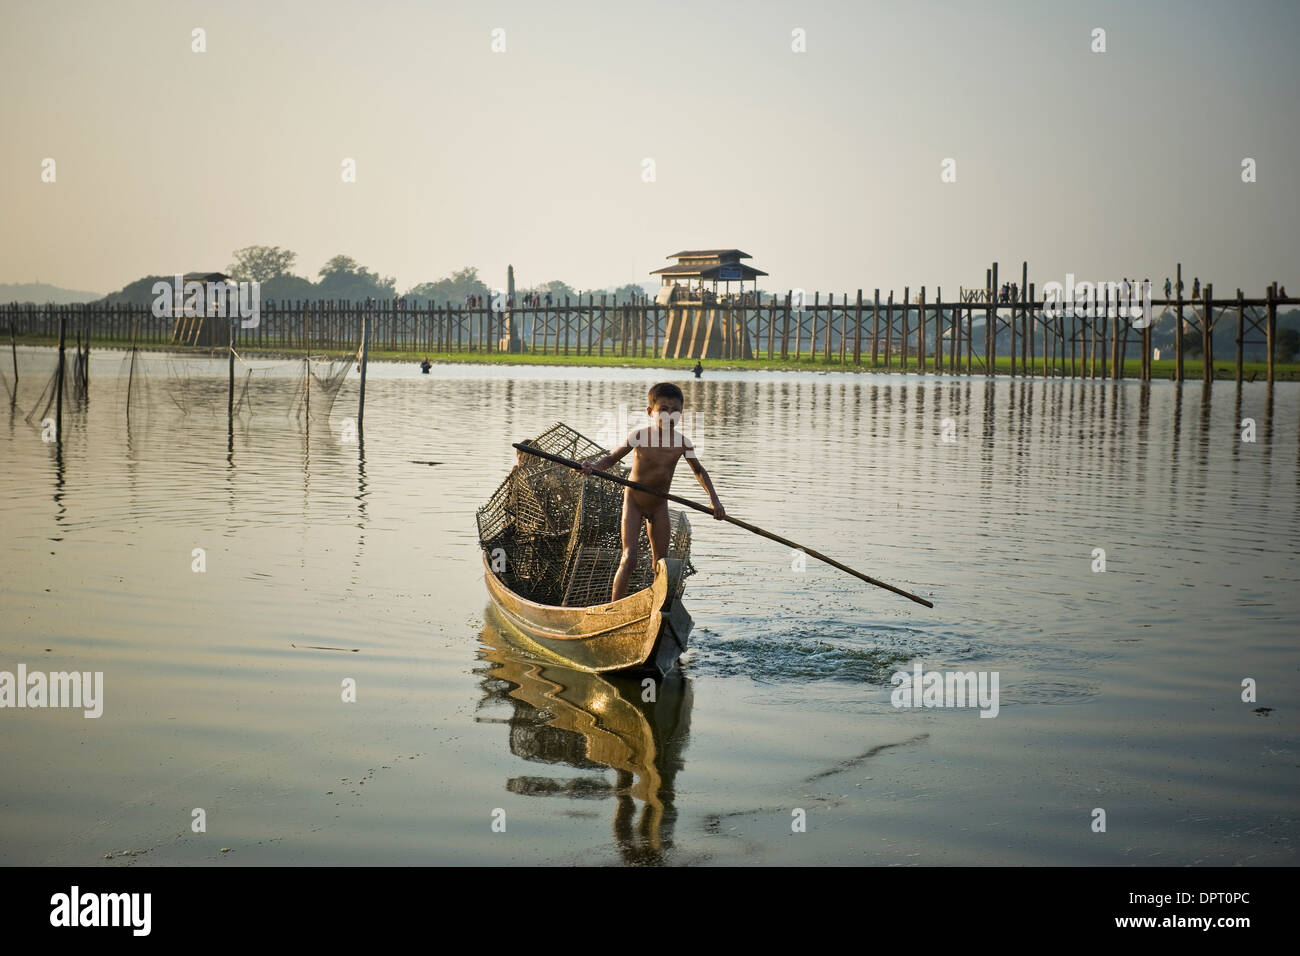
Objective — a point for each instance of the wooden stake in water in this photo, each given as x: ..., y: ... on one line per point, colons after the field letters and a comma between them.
x: 85, y: 362
x: 365, y: 354
x: 130, y: 375
x: 230, y: 390
x: 58, y: 400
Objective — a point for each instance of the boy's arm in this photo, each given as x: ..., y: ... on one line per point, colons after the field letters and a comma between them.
x: 703, y: 477
x: 600, y: 464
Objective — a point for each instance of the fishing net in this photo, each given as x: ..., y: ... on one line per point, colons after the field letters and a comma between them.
x: 80, y: 385
x: 559, y: 532
x: 30, y: 376
x: 134, y: 383
x: 305, y: 389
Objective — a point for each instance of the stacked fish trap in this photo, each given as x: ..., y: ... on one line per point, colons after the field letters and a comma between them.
x: 554, y: 534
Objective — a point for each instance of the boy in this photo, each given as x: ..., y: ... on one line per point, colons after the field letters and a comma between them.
x: 658, y: 446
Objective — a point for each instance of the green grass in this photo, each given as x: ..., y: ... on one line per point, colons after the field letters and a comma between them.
x: 1225, y: 367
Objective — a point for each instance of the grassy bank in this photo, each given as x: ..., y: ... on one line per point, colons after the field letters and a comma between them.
x: 1224, y: 370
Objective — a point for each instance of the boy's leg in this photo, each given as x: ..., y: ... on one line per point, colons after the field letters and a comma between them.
x: 658, y: 529
x: 631, y: 534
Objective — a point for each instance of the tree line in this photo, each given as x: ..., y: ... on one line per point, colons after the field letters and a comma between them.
x: 342, y: 277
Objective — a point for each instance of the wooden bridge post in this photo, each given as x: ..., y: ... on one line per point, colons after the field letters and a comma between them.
x: 920, y: 333
x: 1047, y: 335
x: 1011, y: 332
x: 1026, y: 343
x: 1178, y: 327
x: 904, y: 329
x: 1270, y: 328
x: 1146, y: 333
x: 969, y: 334
x: 991, y: 327
x: 1207, y: 336
x: 785, y: 327
x: 771, y: 323
x: 1241, y: 332
x: 938, y: 329
x: 1030, y: 331
x: 830, y: 321
x: 857, y: 331
x: 875, y: 329
x: 889, y: 328
x: 1105, y: 318
x: 844, y: 325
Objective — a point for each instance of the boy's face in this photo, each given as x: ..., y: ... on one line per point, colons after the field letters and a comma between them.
x: 665, y: 411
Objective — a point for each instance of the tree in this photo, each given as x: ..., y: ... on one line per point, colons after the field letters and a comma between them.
x: 453, y: 289
x: 260, y: 263
x: 343, y: 278
x: 1285, y: 345
x: 558, y: 290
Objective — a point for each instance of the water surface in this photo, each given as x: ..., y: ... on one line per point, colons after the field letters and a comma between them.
x: 330, y: 559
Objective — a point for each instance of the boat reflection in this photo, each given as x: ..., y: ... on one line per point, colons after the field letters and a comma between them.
x: 591, y: 722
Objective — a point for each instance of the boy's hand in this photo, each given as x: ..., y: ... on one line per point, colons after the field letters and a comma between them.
x: 719, y: 512
x: 586, y: 468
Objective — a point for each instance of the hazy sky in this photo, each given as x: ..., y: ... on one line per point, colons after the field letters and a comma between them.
x: 824, y: 165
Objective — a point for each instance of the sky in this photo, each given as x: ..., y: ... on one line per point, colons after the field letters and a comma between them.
x: 825, y: 165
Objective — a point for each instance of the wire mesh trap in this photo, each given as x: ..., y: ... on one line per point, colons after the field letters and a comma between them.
x: 558, y: 531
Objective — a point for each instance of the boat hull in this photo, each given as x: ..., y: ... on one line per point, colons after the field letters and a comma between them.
x: 645, y: 632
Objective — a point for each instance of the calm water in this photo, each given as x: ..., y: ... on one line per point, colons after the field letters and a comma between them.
x: 329, y: 560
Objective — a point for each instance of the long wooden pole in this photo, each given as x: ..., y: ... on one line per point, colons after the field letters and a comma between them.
x: 709, y: 511
x: 58, y: 407
x: 365, y: 363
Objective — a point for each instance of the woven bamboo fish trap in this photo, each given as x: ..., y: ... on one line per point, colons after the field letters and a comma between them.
x: 555, y: 533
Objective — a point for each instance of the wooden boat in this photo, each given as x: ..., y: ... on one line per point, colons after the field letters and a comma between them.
x: 641, y: 634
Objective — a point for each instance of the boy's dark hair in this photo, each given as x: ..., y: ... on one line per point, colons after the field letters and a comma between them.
x: 666, y: 390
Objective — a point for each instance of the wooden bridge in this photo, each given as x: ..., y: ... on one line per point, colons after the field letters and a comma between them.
x: 920, y: 332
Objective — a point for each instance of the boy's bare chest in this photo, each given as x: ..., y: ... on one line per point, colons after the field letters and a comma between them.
x: 656, y: 461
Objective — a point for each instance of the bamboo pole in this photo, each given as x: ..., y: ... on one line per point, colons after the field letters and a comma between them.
x: 13, y: 349
x: 230, y: 369
x: 365, y: 364
x: 524, y: 447
x: 58, y: 401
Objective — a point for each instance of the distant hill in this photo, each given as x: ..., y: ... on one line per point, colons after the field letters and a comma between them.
x: 41, y: 293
